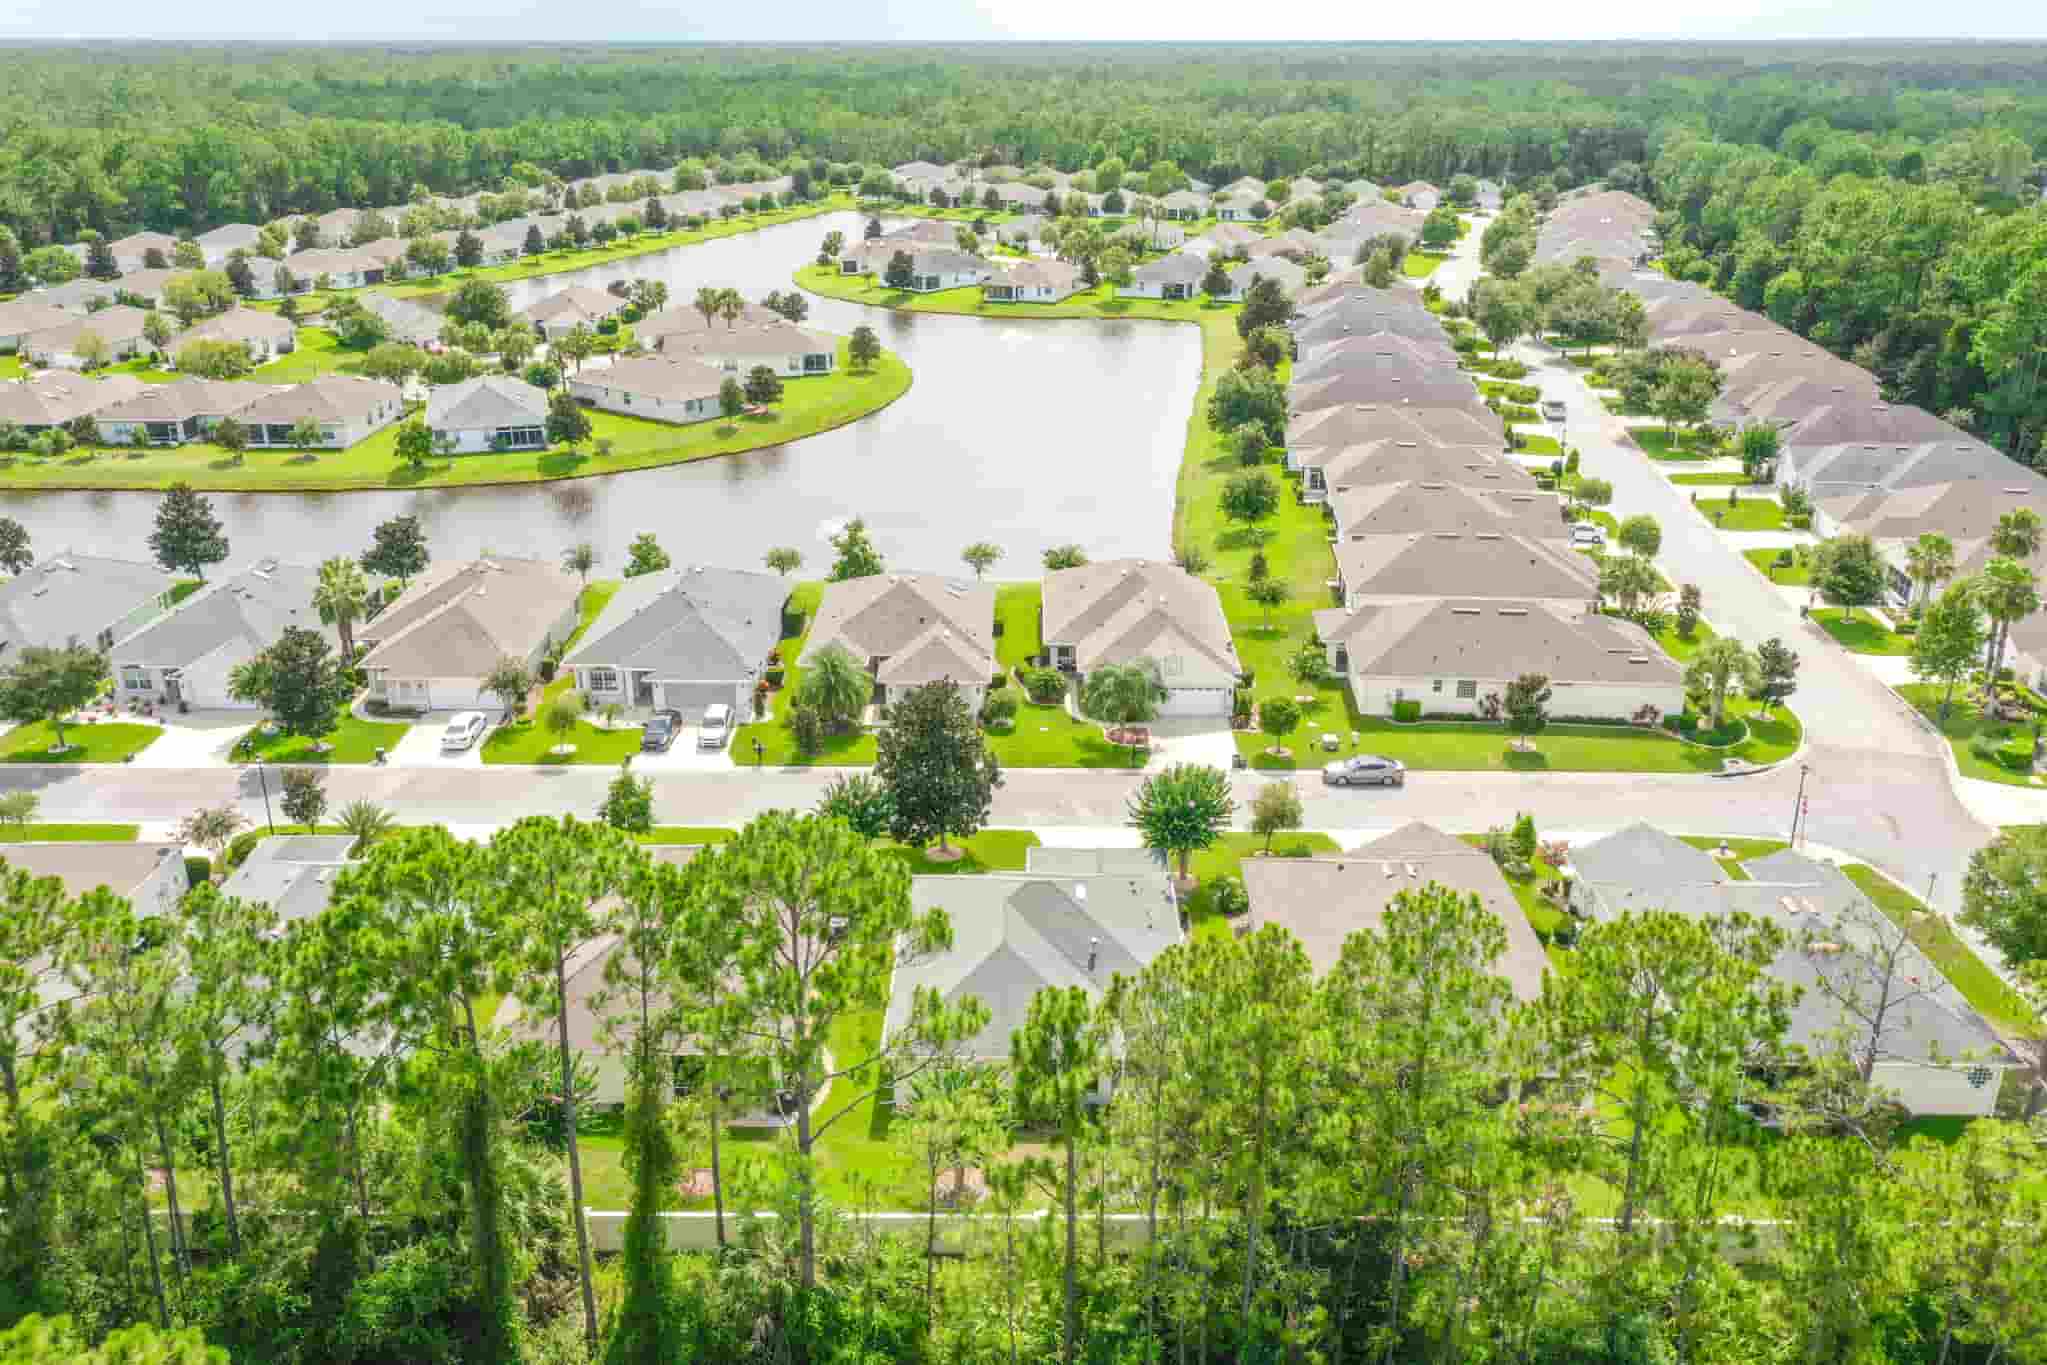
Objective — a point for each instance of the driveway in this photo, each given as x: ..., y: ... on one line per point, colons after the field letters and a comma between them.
x: 199, y: 739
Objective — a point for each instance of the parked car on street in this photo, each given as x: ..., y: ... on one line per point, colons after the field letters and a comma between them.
x: 717, y: 727
x: 1588, y: 533
x: 463, y: 731
x: 660, y: 731
x: 1553, y: 409
x: 1365, y: 770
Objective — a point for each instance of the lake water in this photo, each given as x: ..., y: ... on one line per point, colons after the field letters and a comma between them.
x: 1026, y: 434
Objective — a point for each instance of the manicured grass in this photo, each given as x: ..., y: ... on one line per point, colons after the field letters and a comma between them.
x: 1677, y: 646
x: 142, y: 368
x: 318, y: 353
x: 686, y: 834
x: 69, y: 834
x: 1747, y: 514
x: 992, y: 850
x: 810, y: 405
x: 1099, y: 302
x: 1016, y: 619
x: 1980, y: 986
x: 11, y: 366
x: 1862, y: 635
x: 1419, y: 265
x: 1477, y: 746
x: 353, y: 740
x: 1724, y: 479
x: 1544, y: 915
x: 1226, y: 856
x: 1659, y: 445
x: 527, y: 740
x: 98, y: 742
x: 1052, y: 737
x: 778, y: 746
x: 1531, y: 443
x: 1794, y: 575
x: 1965, y: 724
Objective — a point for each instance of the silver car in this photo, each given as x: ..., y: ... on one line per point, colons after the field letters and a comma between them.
x: 1365, y: 770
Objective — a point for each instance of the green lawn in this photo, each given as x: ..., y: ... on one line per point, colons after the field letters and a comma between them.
x: 98, y: 742
x: 1725, y: 479
x: 353, y: 740
x: 318, y: 353
x: 11, y: 366
x: 686, y: 834
x: 1747, y: 514
x: 69, y: 834
x: 1477, y: 746
x: 1796, y: 575
x: 1100, y: 302
x: 1862, y: 635
x: 528, y: 740
x: 1419, y: 265
x: 1980, y: 986
x: 1533, y: 443
x: 1016, y: 623
x: 1658, y: 445
x: 810, y: 405
x: 1545, y: 916
x: 778, y: 746
x: 1677, y: 646
x: 2010, y: 744
x: 1052, y: 737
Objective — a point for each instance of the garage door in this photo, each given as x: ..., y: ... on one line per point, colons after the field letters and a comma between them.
x: 1196, y: 701
x: 692, y: 698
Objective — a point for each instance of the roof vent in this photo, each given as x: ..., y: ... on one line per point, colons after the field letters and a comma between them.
x: 1412, y: 870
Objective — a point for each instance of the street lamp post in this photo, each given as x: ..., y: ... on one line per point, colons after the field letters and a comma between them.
x: 263, y: 780
x: 1798, y: 806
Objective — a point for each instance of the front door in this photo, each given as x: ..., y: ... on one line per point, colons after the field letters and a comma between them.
x: 643, y: 689
x: 173, y: 686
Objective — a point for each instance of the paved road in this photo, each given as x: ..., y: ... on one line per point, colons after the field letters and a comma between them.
x: 1454, y: 277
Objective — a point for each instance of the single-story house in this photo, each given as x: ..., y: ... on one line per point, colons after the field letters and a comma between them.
x: 120, y: 327
x: 1017, y: 934
x: 1438, y: 508
x: 148, y: 285
x: 909, y: 630
x: 432, y: 648
x: 662, y: 388
x: 1021, y: 231
x: 936, y: 268
x: 787, y: 349
x: 1313, y: 438
x: 563, y: 311
x: 1965, y: 510
x: 78, y: 297
x: 1487, y: 565
x: 1865, y: 423
x: 23, y: 317
x: 922, y: 231
x: 180, y: 411
x: 347, y: 409
x: 1453, y: 655
x: 1391, y: 379
x: 1227, y: 237
x: 265, y: 336
x: 1831, y: 471
x: 404, y: 320
x: 1293, y: 242
x: 1239, y: 207
x: 1345, y: 468
x: 131, y: 253
x: 920, y: 170
x: 488, y: 412
x: 1318, y: 360
x: 1183, y: 205
x: 683, y: 320
x: 89, y: 599
x: 186, y: 654
x: 149, y: 876
x: 1018, y: 197
x: 343, y: 267
x: 683, y: 639
x: 54, y: 397
x: 1124, y: 611
x: 1934, y: 1054
x: 293, y: 874
x: 1033, y: 281
x: 1292, y: 279
x: 1174, y: 276
x: 1418, y: 194
x: 219, y: 243
x: 1325, y: 899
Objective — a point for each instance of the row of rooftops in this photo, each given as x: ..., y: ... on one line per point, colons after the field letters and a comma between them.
x: 53, y: 397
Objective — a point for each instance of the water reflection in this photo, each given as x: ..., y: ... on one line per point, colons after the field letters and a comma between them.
x: 1027, y: 434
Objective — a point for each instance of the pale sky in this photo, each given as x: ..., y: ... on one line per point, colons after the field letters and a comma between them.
x: 957, y: 20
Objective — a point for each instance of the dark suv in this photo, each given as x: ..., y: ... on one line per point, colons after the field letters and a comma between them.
x: 660, y: 731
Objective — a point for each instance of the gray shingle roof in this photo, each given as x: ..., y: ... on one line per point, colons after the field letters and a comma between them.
x: 1377, y: 462
x: 1016, y: 935
x: 119, y: 867
x: 486, y: 401
x: 1477, y: 567
x: 458, y: 620
x: 1122, y: 610
x: 1315, y: 436
x: 240, y: 324
x: 925, y: 628
x: 248, y: 610
x: 54, y: 397
x: 1643, y: 862
x: 1180, y: 267
x: 1495, y: 640
x: 74, y: 597
x: 670, y: 379
x: 692, y: 624
x: 1436, y: 507
x: 293, y: 874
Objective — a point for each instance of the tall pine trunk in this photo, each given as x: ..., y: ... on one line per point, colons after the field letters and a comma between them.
x: 226, y: 1162
x: 1070, y: 1328
x: 568, y: 1061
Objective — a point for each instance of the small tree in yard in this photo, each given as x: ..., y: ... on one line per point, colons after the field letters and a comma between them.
x: 1849, y: 573
x: 305, y: 795
x: 568, y: 423
x: 645, y: 556
x: 863, y: 347
x: 561, y: 717
x: 1057, y: 1060
x: 510, y: 680
x: 981, y: 556
x: 49, y: 684
x: 900, y: 272
x: 1776, y: 673
x: 1527, y: 708
x: 187, y: 536
x: 1641, y: 536
x: 306, y: 434
x: 857, y: 557
x: 1064, y: 557
x: 1268, y: 593
x: 1719, y: 665
x: 303, y: 682
x: 1949, y: 643
x: 1688, y: 602
x: 782, y: 559
x: 398, y: 549
x: 1181, y: 811
x: 860, y: 801
x: 1250, y: 498
x: 211, y: 828
x: 835, y: 685
x: 1275, y: 809
x: 1758, y: 445
x: 1588, y: 492
x: 416, y: 442
x: 15, y: 553
x: 1309, y: 665
x: 579, y: 559
x: 628, y: 803
x: 940, y: 773
x: 1216, y: 282
x: 1279, y: 717
x: 763, y: 387
x: 731, y: 399
x: 1122, y: 694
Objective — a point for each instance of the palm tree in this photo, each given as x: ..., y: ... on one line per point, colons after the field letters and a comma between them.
x: 367, y: 821
x: 2018, y: 534
x: 211, y: 828
x: 341, y: 597
x: 834, y: 682
x: 579, y: 559
x: 1122, y: 694
x: 1929, y: 562
x: 730, y: 306
x: 707, y: 302
x: 2008, y: 593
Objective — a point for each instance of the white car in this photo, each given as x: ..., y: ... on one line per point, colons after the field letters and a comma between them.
x: 716, y: 727
x: 1553, y: 409
x: 463, y: 731
x: 1588, y: 533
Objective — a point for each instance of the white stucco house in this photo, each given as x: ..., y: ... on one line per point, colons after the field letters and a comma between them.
x: 432, y: 648
x: 185, y: 656
x: 664, y: 388
x: 1136, y: 611
x: 909, y: 630
x: 488, y: 412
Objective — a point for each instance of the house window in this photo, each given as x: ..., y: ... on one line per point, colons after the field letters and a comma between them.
x: 134, y: 677
x: 1436, y: 686
x: 1467, y: 689
x: 602, y: 679
x: 816, y: 364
